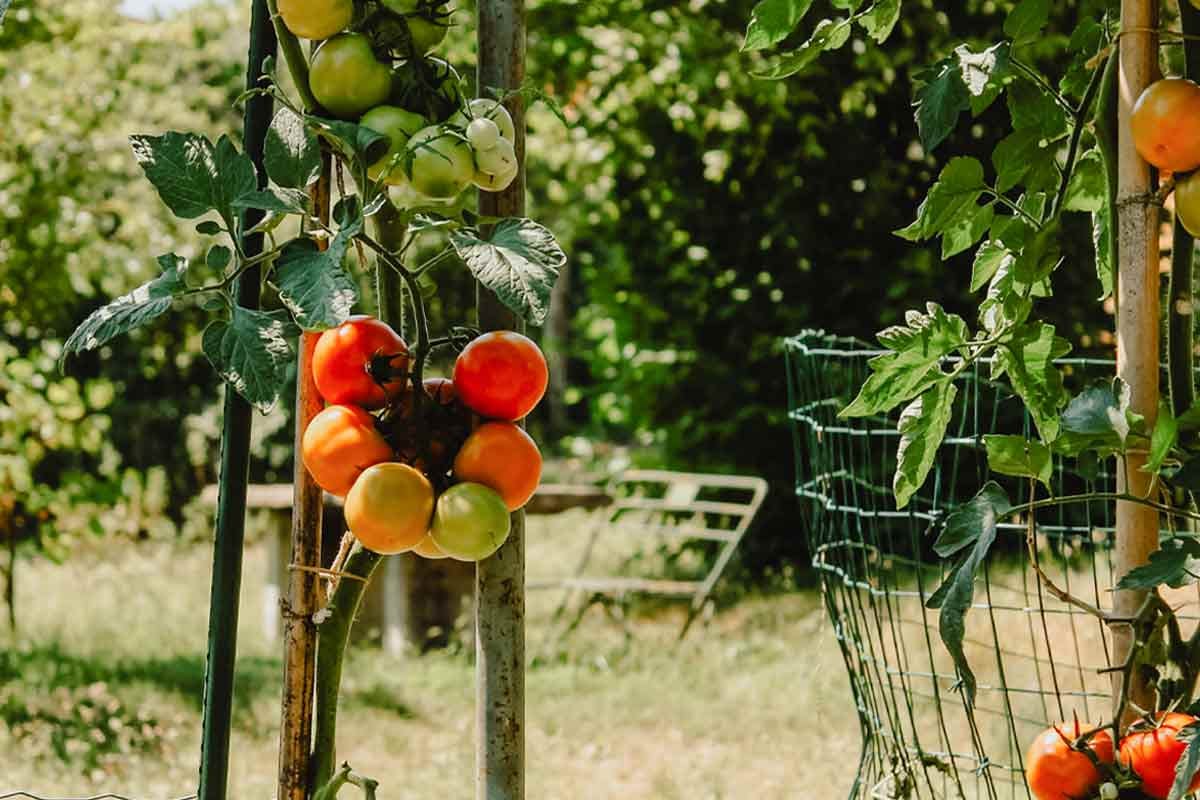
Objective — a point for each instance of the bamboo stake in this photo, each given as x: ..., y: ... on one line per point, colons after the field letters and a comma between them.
x: 1137, y: 323
x: 235, y: 463
x: 500, y: 579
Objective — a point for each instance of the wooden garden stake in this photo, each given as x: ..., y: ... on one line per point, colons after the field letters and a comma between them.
x: 1137, y: 323
x: 500, y: 579
x: 235, y: 463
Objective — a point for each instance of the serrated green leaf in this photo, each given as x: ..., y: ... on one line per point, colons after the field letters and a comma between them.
x: 1163, y: 438
x: 913, y: 366
x: 1086, y: 41
x: 988, y: 258
x: 251, y: 353
x: 357, y: 143
x: 276, y: 200
x: 1040, y: 256
x: 1189, y: 761
x: 772, y: 21
x: 1087, y: 190
x: 985, y: 73
x: 966, y: 230
x: 1176, y: 563
x: 1027, y: 19
x: 828, y: 35
x: 922, y: 427
x: 192, y: 175
x: 1008, y: 303
x: 314, y: 287
x: 940, y: 97
x: 1028, y: 359
x: 218, y: 257
x: 963, y: 525
x: 1032, y: 108
x: 1016, y: 155
x: 1100, y: 242
x: 208, y: 228
x: 880, y: 19
x: 519, y: 262
x: 1095, y: 419
x: 291, y: 153
x: 1016, y: 455
x: 952, y: 197
x: 132, y: 310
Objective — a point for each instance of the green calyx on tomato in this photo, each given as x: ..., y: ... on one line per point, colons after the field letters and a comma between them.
x: 470, y: 522
x: 439, y: 163
x: 346, y: 77
x: 398, y: 126
x: 427, y: 22
x: 316, y: 19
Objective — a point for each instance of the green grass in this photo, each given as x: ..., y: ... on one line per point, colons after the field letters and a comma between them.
x: 754, y: 704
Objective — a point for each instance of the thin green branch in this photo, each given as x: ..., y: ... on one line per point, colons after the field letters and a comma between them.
x: 1016, y: 209
x: 1080, y: 116
x: 232, y: 277
x: 1036, y: 77
x: 293, y: 54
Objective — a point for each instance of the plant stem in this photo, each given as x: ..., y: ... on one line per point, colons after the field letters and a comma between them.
x: 1034, y: 76
x: 1079, y: 115
x: 293, y: 54
x: 1016, y: 209
x: 1067, y: 499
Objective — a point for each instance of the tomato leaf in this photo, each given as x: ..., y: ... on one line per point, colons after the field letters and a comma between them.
x: 1104, y: 256
x: 251, y: 352
x: 519, y: 261
x: 988, y: 258
x: 314, y: 287
x: 951, y: 199
x: 1027, y: 19
x: 940, y: 97
x: 828, y: 35
x: 962, y: 526
x: 291, y: 153
x: 1034, y: 109
x: 917, y: 348
x: 1016, y: 455
x: 880, y: 18
x: 1189, y: 761
x: 1018, y: 154
x: 132, y: 310
x: 922, y: 427
x: 192, y: 175
x: 985, y: 73
x: 771, y: 21
x: 1029, y: 361
x: 1166, y: 432
x: 1176, y: 563
x: 1096, y: 419
x: 957, y: 592
x: 355, y: 142
x: 280, y: 201
x: 1087, y: 190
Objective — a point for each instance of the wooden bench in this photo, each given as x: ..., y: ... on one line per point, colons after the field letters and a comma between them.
x: 384, y: 610
x: 662, y: 510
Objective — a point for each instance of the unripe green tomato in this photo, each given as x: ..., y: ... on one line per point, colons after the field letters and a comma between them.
x: 488, y: 109
x: 316, y: 19
x: 347, y: 78
x: 495, y: 169
x: 399, y: 126
x: 439, y: 164
x: 483, y: 134
x: 470, y: 522
x: 427, y: 26
x: 1187, y: 202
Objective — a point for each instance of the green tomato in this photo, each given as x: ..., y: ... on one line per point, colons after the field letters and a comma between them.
x: 427, y: 86
x: 439, y: 164
x: 427, y: 22
x: 399, y: 126
x: 316, y: 19
x: 496, y: 168
x: 488, y: 109
x: 483, y: 134
x: 1187, y: 202
x: 470, y: 522
x: 347, y: 78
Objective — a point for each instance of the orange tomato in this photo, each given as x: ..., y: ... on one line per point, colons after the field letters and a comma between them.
x: 1165, y: 124
x: 1056, y: 772
x: 427, y: 548
x: 390, y: 508
x: 338, y: 444
x: 504, y: 458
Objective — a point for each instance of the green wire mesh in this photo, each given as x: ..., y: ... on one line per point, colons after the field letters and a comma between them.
x: 1036, y: 659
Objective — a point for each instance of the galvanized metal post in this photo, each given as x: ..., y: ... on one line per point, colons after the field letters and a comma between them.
x: 235, y: 465
x: 500, y: 580
x: 1137, y: 324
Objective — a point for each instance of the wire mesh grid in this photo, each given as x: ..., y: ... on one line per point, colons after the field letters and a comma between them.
x: 1037, y: 660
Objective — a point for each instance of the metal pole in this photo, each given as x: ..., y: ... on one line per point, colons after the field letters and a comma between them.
x: 235, y: 465
x: 500, y: 579
x: 1137, y: 323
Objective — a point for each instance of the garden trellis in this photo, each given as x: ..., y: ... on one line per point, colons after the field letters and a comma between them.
x: 1037, y: 659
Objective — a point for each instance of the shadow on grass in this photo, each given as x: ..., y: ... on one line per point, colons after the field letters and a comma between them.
x: 46, y: 667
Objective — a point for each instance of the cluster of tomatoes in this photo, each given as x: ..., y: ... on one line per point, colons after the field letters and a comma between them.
x: 437, y: 475
x: 1070, y: 762
x: 1165, y: 124
x: 381, y: 75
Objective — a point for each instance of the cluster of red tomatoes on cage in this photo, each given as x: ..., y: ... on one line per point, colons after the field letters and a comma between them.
x: 436, y: 475
x: 374, y: 67
x: 1165, y: 124
x: 1074, y: 762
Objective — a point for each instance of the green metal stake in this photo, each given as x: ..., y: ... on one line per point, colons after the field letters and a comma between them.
x: 235, y: 465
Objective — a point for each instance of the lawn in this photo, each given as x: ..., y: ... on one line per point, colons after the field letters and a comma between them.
x: 102, y: 691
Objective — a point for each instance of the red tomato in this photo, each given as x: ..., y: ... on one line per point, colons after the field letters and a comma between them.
x: 338, y: 444
x: 344, y: 356
x: 502, y: 457
x: 1153, y: 753
x: 1057, y: 772
x: 501, y: 375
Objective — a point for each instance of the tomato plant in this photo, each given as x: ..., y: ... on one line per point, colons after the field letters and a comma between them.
x: 1056, y: 771
x: 398, y: 125
x: 1153, y: 753
x: 439, y: 163
x: 1166, y: 124
x: 338, y: 444
x: 389, y: 507
x: 346, y: 77
x: 427, y: 22
x: 316, y: 19
x: 348, y: 359
x: 502, y: 457
x: 470, y: 522
x: 501, y: 375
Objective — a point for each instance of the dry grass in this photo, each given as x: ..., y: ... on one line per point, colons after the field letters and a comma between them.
x: 753, y: 705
